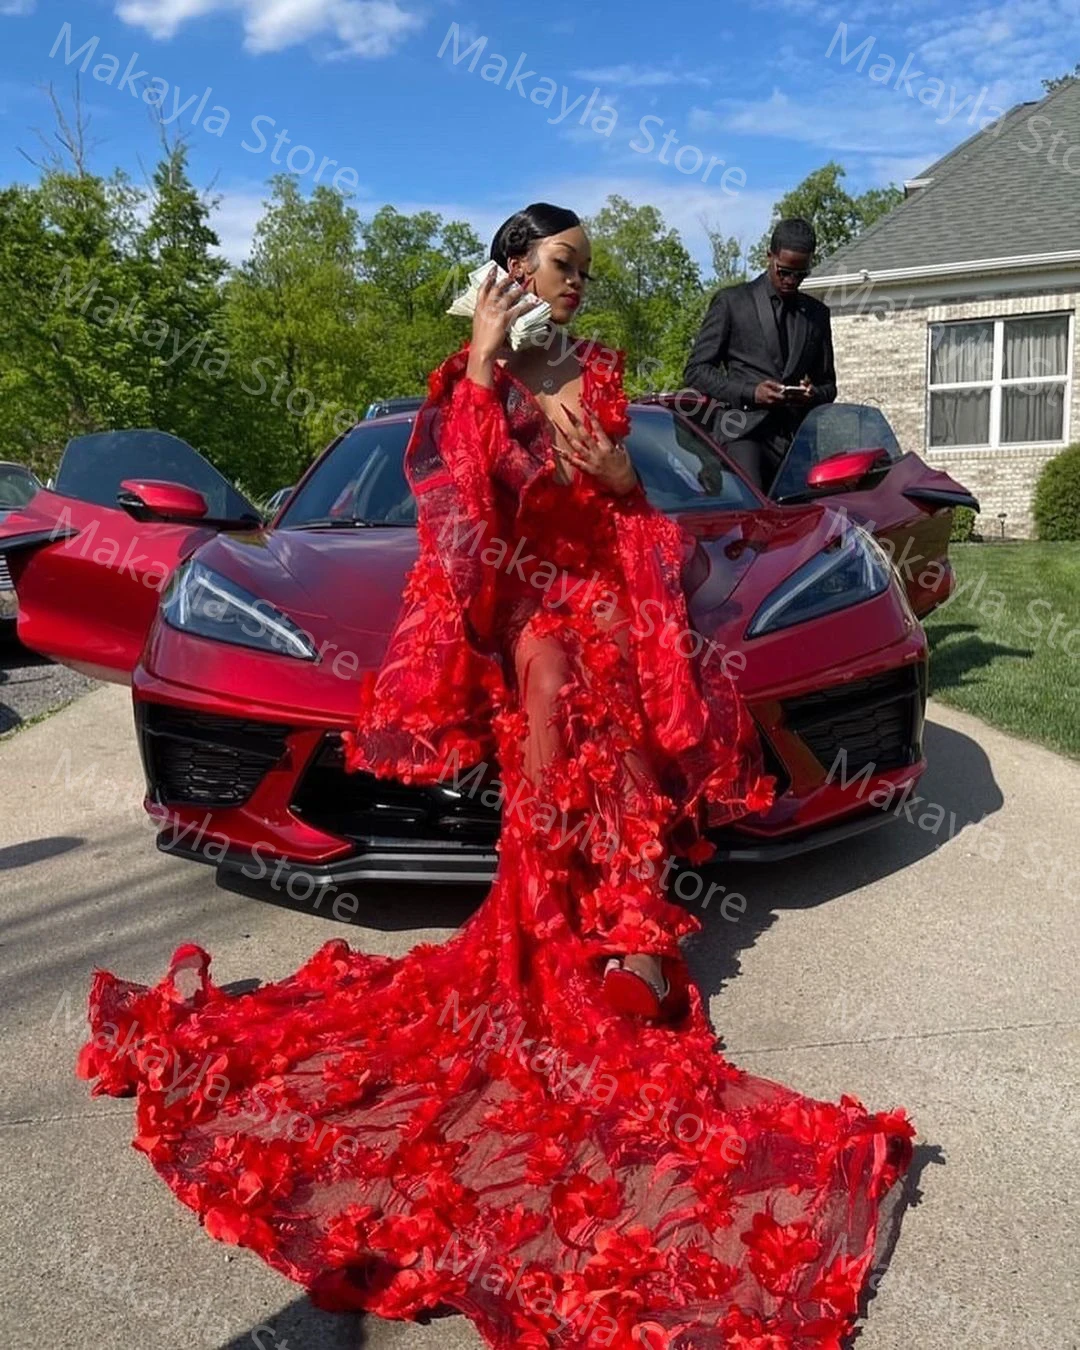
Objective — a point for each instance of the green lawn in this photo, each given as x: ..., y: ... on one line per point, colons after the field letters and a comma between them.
x: 1006, y: 647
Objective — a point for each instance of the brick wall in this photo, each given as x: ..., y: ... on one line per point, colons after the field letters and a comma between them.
x: 884, y: 361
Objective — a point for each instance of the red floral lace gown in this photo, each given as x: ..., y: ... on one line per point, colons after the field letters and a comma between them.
x: 469, y: 1126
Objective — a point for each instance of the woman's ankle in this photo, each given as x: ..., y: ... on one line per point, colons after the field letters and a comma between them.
x: 646, y: 965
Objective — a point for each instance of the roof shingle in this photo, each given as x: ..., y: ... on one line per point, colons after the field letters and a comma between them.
x: 999, y: 194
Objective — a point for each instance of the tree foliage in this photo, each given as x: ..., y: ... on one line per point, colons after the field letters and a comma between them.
x: 837, y: 216
x: 1057, y: 81
x: 1056, y: 506
x: 646, y: 296
x: 117, y: 309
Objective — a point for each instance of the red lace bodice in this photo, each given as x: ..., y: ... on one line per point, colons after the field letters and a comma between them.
x: 481, y: 463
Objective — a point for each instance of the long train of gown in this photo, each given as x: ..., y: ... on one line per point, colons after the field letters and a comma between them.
x: 470, y: 1127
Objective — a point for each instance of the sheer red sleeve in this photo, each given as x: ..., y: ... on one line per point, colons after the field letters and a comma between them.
x: 693, y: 706
x: 427, y: 710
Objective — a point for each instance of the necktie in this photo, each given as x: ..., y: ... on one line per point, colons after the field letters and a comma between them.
x: 783, y: 328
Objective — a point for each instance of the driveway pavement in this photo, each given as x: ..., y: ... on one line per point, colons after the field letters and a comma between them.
x: 31, y: 686
x: 932, y: 964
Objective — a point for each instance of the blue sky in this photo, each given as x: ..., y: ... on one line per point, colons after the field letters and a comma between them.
x: 763, y: 92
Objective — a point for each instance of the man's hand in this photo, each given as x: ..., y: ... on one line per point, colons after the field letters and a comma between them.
x: 769, y: 393
x: 803, y: 393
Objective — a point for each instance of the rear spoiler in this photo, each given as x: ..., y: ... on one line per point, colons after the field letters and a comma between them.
x: 942, y: 496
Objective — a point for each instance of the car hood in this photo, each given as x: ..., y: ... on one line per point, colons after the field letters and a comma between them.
x: 749, y: 555
x: 352, y: 580
x: 328, y: 580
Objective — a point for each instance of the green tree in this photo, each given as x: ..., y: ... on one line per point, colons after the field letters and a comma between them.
x: 181, y: 299
x: 837, y: 216
x: 875, y: 203
x: 729, y: 261
x: 66, y: 358
x: 330, y: 313
x: 1057, y: 81
x: 646, y: 293
x: 293, y: 338
x: 411, y: 267
x: 404, y: 259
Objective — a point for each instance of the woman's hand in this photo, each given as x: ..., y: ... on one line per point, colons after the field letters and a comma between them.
x: 497, y: 306
x: 590, y: 449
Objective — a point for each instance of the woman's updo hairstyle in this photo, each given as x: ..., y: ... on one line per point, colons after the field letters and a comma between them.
x: 516, y: 236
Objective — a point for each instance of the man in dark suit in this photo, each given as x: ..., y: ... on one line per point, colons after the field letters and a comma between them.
x: 764, y: 357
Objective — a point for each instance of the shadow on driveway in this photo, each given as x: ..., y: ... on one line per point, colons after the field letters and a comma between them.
x: 38, y: 850
x: 301, y: 1326
x: 32, y: 685
x: 959, y: 779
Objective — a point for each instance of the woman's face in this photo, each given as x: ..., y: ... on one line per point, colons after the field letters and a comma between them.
x: 556, y: 270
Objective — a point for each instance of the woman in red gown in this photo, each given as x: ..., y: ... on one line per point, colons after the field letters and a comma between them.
x: 531, y: 1123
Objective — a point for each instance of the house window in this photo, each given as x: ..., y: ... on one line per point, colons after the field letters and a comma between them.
x: 1000, y: 381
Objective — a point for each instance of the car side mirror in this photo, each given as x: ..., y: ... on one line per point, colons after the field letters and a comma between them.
x: 152, y: 499
x: 840, y: 473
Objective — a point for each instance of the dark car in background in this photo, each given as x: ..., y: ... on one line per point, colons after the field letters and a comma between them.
x: 18, y: 486
x: 390, y: 407
x: 277, y: 500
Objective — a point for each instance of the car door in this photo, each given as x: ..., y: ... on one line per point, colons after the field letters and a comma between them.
x: 89, y: 565
x: 904, y: 503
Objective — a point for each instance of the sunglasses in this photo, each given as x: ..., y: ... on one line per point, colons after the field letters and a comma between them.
x: 795, y: 273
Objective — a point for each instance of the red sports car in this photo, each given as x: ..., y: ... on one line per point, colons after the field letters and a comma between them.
x: 244, y: 643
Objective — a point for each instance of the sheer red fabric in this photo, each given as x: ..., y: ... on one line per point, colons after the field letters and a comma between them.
x: 470, y: 1126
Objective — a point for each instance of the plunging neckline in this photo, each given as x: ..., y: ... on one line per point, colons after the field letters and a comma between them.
x: 549, y: 425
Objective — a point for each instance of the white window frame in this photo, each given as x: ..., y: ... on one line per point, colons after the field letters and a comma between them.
x: 996, y: 384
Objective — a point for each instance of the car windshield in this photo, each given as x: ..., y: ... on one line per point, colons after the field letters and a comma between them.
x: 17, y: 486
x: 831, y: 430
x: 93, y: 467
x: 388, y: 406
x: 362, y: 477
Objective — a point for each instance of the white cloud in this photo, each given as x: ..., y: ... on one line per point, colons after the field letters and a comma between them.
x: 366, y: 28
x: 233, y: 220
x: 1006, y: 44
x: 685, y: 206
x: 895, y: 169
x: 11, y: 9
x: 643, y: 77
x: 241, y: 207
x: 864, y: 118
x: 1014, y: 45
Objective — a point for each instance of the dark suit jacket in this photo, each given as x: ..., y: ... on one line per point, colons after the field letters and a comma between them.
x: 739, y: 346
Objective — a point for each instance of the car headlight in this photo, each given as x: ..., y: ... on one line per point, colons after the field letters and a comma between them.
x: 851, y: 569
x: 202, y: 601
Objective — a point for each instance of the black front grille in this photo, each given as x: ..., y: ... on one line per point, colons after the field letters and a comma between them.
x: 5, y: 574
x: 773, y: 765
x: 364, y: 808
x: 876, y: 722
x: 200, y: 759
